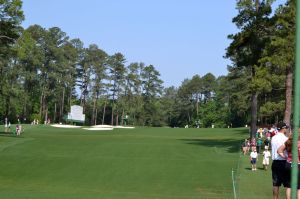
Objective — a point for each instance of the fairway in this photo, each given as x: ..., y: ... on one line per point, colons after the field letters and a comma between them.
x: 144, y: 163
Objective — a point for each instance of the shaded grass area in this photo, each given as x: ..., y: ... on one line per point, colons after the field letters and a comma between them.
x: 47, y: 162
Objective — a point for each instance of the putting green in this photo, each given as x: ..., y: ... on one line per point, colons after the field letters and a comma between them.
x: 142, y: 163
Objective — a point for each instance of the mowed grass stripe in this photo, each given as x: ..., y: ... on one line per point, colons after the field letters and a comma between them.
x: 139, y: 163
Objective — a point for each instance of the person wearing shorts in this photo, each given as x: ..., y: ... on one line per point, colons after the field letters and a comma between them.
x: 286, y: 152
x: 266, y: 155
x: 253, y: 159
x: 278, y: 164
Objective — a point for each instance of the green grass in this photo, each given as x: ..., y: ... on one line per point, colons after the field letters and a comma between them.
x: 144, y: 163
x: 255, y: 184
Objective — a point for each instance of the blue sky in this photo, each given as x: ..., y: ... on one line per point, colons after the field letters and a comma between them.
x: 180, y: 38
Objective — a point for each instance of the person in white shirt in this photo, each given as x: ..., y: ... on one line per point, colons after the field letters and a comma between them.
x: 266, y: 155
x: 253, y: 159
x: 279, y: 175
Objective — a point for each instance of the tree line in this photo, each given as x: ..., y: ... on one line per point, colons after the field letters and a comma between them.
x: 44, y: 72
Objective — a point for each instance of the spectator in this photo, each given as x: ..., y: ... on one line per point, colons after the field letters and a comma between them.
x: 258, y: 145
x: 278, y: 164
x: 266, y: 161
x: 267, y: 144
x: 253, y: 159
x: 285, y: 151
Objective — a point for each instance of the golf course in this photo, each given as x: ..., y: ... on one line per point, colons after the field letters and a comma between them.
x: 142, y: 163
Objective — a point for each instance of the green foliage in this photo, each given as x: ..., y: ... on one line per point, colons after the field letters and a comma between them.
x: 44, y: 72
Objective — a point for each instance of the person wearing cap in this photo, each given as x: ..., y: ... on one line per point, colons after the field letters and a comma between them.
x: 279, y: 175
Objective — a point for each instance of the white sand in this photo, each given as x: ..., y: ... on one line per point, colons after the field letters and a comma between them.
x: 102, y: 126
x: 94, y: 128
x: 115, y: 127
x: 98, y: 129
x: 65, y: 126
x: 124, y: 127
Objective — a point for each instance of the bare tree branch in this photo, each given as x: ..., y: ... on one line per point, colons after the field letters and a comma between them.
x: 6, y: 37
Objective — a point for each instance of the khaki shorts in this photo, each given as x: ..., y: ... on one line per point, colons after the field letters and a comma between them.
x: 266, y: 161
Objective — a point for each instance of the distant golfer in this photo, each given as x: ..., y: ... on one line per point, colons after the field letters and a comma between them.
x: 253, y: 159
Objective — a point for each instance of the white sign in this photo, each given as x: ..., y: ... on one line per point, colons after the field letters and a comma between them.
x: 76, y: 113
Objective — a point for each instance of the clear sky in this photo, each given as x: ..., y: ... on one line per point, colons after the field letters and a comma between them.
x: 180, y: 38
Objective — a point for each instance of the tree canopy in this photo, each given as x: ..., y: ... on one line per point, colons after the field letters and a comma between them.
x: 44, y: 72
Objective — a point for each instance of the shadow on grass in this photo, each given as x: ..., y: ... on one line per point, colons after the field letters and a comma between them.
x: 228, y: 145
x: 258, y: 168
x: 9, y: 134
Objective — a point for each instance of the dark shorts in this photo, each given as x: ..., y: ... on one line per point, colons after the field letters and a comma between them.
x: 253, y: 161
x: 288, y: 169
x: 279, y: 173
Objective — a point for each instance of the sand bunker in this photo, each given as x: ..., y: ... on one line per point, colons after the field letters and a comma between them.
x: 102, y: 126
x: 115, y: 127
x: 65, y: 126
x: 123, y: 127
x: 98, y: 129
x: 94, y: 128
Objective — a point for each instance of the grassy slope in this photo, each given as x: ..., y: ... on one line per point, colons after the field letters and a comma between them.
x: 144, y: 163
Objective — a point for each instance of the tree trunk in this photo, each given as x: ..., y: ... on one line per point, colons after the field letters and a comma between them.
x: 117, y: 119
x: 288, y: 95
x: 253, y: 114
x: 122, y: 117
x: 46, y: 114
x: 197, y: 106
x: 41, y: 106
x: 7, y: 107
x: 62, y: 105
x: 70, y: 98
x: 94, y: 108
x: 54, y: 116
x: 104, y: 110
x: 24, y: 108
x: 96, y: 115
x: 112, y: 114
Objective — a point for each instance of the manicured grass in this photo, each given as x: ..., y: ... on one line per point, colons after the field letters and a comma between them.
x: 255, y: 184
x: 144, y: 163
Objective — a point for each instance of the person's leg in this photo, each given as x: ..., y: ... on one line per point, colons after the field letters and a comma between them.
x: 298, y: 194
x: 275, y: 192
x: 288, y: 193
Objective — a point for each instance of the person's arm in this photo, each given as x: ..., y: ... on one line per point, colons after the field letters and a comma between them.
x: 280, y: 151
